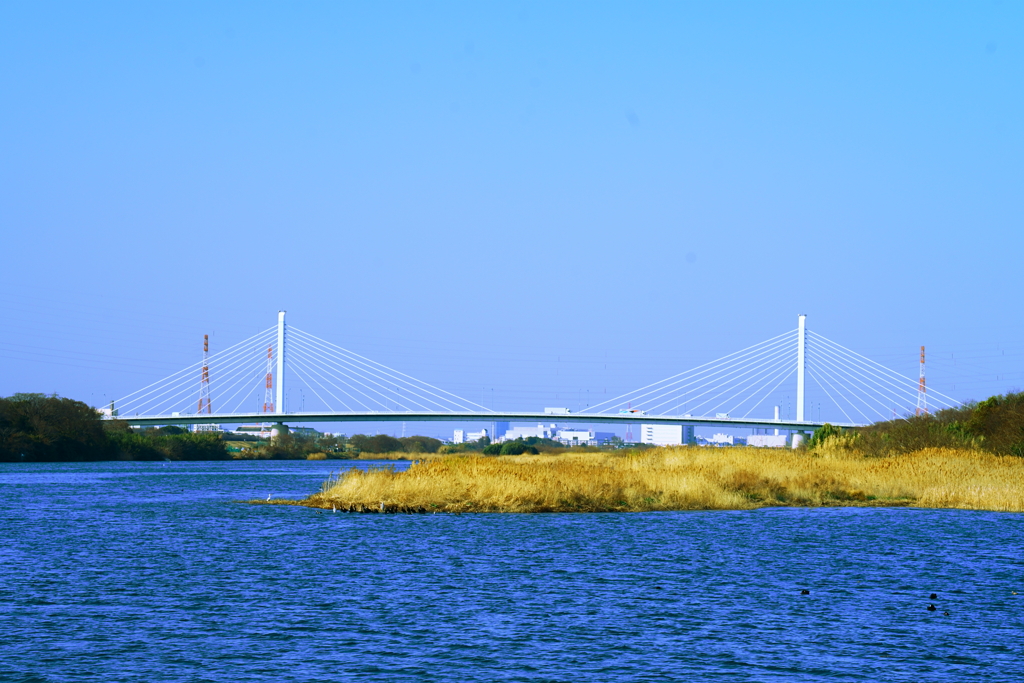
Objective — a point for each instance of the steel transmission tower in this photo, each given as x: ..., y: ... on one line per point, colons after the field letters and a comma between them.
x: 922, y: 391
x: 204, y: 382
x: 268, y: 395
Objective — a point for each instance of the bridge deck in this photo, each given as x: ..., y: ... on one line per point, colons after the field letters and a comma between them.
x: 633, y: 418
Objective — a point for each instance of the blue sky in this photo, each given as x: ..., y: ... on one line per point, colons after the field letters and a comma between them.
x: 526, y: 199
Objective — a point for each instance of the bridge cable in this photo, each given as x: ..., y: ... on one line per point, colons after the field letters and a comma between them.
x: 706, y: 375
x: 616, y: 400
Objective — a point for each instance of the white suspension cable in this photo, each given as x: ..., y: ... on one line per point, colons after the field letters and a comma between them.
x: 847, y: 351
x: 719, y: 375
x: 341, y: 401
x: 192, y: 367
x: 177, y: 381
x: 815, y: 378
x: 181, y: 385
x: 885, y: 394
x: 820, y: 370
x: 905, y: 394
x: 371, y: 378
x: 326, y: 391
x: 372, y: 375
x: 372, y: 399
x: 779, y: 355
x: 306, y: 382
x: 772, y: 391
x: 782, y: 362
x: 905, y: 391
x: 616, y: 400
x: 380, y: 378
x: 392, y: 370
x: 769, y: 376
x: 250, y: 373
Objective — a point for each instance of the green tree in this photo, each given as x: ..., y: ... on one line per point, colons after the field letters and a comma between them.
x: 420, y: 444
x: 381, y: 443
x: 36, y: 427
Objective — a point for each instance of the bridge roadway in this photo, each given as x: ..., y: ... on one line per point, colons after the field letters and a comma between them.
x: 527, y: 418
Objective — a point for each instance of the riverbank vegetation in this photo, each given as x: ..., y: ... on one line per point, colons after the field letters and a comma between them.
x: 995, y: 425
x: 36, y: 427
x: 41, y: 428
x: 969, y: 457
x: 682, y: 478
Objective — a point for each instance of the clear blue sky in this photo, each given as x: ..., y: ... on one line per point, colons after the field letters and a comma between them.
x: 528, y: 199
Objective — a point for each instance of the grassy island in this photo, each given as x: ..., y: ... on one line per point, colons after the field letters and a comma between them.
x: 684, y: 478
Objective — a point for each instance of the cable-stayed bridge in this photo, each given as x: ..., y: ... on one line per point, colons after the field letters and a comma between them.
x: 731, y: 391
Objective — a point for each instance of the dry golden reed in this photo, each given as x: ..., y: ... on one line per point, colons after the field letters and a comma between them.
x: 682, y: 479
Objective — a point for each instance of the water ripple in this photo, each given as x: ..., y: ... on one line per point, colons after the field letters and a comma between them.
x: 141, y: 571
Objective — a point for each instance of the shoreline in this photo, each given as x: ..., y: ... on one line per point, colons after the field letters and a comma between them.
x: 370, y: 510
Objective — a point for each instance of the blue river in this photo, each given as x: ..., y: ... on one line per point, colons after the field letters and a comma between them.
x: 156, y: 572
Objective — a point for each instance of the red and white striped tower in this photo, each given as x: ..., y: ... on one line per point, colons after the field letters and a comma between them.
x: 268, y: 396
x: 204, y: 382
x: 922, y: 392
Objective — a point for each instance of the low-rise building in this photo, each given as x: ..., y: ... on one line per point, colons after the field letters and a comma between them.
x: 767, y: 440
x: 462, y: 436
x: 539, y: 432
x: 725, y: 440
x: 206, y: 428
x: 666, y: 434
x: 259, y: 431
x: 575, y: 437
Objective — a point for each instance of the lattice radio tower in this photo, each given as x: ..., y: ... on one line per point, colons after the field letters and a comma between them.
x: 204, y: 382
x: 922, y: 392
x: 268, y: 396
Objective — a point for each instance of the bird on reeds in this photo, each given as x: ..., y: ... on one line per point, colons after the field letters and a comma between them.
x: 269, y: 495
x: 931, y: 608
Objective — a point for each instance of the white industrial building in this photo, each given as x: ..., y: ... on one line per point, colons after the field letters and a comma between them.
x: 261, y: 431
x: 725, y: 440
x: 575, y: 437
x: 540, y: 432
x: 206, y: 428
x: 767, y: 440
x: 666, y: 435
x: 462, y: 436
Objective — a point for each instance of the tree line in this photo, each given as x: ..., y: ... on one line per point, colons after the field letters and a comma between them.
x: 41, y: 428
x: 995, y: 425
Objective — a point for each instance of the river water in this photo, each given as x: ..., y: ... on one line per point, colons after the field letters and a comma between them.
x: 154, y: 572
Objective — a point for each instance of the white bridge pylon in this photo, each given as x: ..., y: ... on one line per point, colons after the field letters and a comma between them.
x: 340, y: 380
x: 344, y: 386
x: 737, y: 386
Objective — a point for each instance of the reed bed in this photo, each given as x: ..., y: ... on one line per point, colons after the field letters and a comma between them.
x: 681, y: 479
